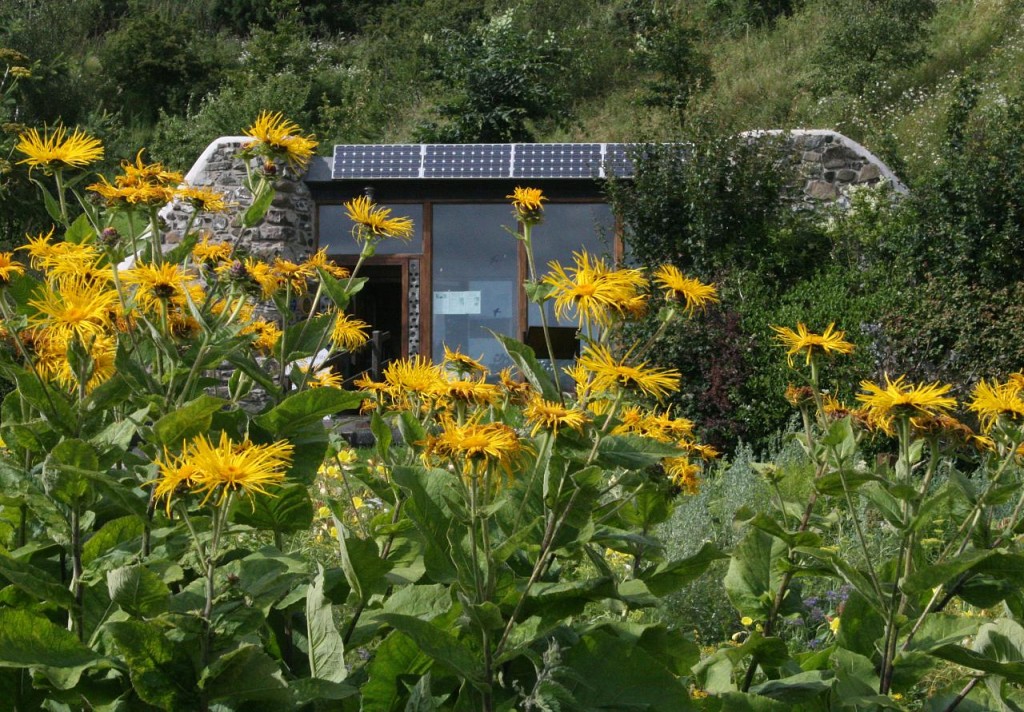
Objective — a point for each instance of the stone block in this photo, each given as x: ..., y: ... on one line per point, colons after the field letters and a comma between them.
x: 868, y: 173
x: 846, y: 175
x: 821, y: 190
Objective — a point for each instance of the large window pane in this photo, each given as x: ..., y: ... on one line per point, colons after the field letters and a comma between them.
x: 475, y: 281
x: 336, y: 231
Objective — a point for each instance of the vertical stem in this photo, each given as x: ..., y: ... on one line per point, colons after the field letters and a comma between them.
x: 75, y: 620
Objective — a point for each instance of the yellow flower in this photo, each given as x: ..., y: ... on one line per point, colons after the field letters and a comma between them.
x: 477, y: 392
x: 611, y: 373
x: 348, y: 333
x: 157, y: 285
x: 802, y: 340
x: 899, y: 398
x: 319, y: 259
x: 203, y: 198
x: 527, y: 203
x: 177, y: 477
x: 296, y: 275
x: 551, y: 416
x: 677, y: 287
x: 462, y: 364
x: 992, y: 401
x: 747, y: 621
x: 102, y: 351
x: 57, y: 151
x: 476, y: 446
x: 374, y: 220
x: 75, y: 306
x: 326, y: 378
x: 833, y: 625
x: 278, y: 137
x: 267, y: 335
x: 683, y: 473
x: 140, y: 184
x: 596, y: 293
x: 212, y: 252
x: 9, y: 267
x: 236, y: 467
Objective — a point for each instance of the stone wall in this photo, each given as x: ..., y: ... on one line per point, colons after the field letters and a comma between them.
x: 287, y: 229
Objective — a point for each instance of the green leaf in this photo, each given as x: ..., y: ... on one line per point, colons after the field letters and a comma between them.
x: 161, y: 670
x: 302, y: 409
x: 311, y: 689
x: 340, y: 293
x: 672, y: 575
x: 286, y: 509
x: 138, y: 591
x: 245, y: 674
x: 616, y: 674
x: 427, y: 507
x: 305, y: 338
x: 527, y: 363
x: 998, y: 649
x: 360, y: 560
x: 381, y: 434
x: 326, y: 647
x: 861, y: 626
x: 397, y: 657
x: 115, y: 532
x: 28, y: 640
x: 632, y: 451
x: 260, y: 205
x: 80, y: 231
x: 191, y: 419
x: 34, y: 581
x: 442, y: 646
x: 49, y: 401
x: 752, y: 580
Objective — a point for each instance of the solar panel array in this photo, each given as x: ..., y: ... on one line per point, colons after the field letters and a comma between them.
x: 482, y: 160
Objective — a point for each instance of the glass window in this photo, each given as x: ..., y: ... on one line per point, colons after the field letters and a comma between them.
x: 335, y: 231
x: 475, y: 281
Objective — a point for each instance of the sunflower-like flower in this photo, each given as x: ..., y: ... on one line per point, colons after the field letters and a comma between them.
x: 611, y: 373
x: 678, y: 287
x: 375, y: 221
x: 60, y: 259
x: 518, y: 389
x: 177, y: 477
x: 801, y: 340
x: 235, y: 467
x: 267, y: 333
x: 551, y: 416
x: 295, y: 275
x: 682, y: 473
x: 411, y: 378
x: 75, y: 307
x: 276, y: 137
x: 139, y: 185
x: 57, y: 150
x: 319, y: 261
x: 528, y: 204
x: 901, y: 399
x: 476, y: 447
x: 657, y: 426
x: 348, y: 333
x: 206, y: 252
x: 102, y: 351
x: 462, y: 364
x: 994, y: 400
x: 203, y: 198
x: 594, y: 292
x: 9, y: 267
x: 158, y: 285
x: 472, y: 391
x: 326, y: 378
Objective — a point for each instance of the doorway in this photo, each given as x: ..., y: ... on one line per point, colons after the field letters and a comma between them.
x: 382, y: 304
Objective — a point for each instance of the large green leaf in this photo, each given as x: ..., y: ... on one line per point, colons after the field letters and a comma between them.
x: 191, y: 419
x: 114, y: 533
x: 161, y: 671
x: 260, y: 204
x: 303, y: 339
x: 326, y: 646
x: 360, y: 560
x: 340, y: 292
x: 442, y: 646
x: 286, y: 509
x: 670, y: 576
x: 34, y: 581
x: 246, y: 674
x: 28, y: 640
x: 613, y: 673
x: 138, y: 591
x: 631, y: 451
x: 430, y: 491
x: 397, y: 657
x: 527, y: 363
x: 753, y: 580
x: 998, y: 649
x: 302, y: 409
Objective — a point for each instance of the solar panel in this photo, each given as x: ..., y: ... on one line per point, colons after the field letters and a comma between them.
x: 480, y: 160
x: 557, y: 160
x: 617, y: 159
x: 378, y: 161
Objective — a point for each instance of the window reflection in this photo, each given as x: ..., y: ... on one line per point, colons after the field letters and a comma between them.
x: 475, y: 282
